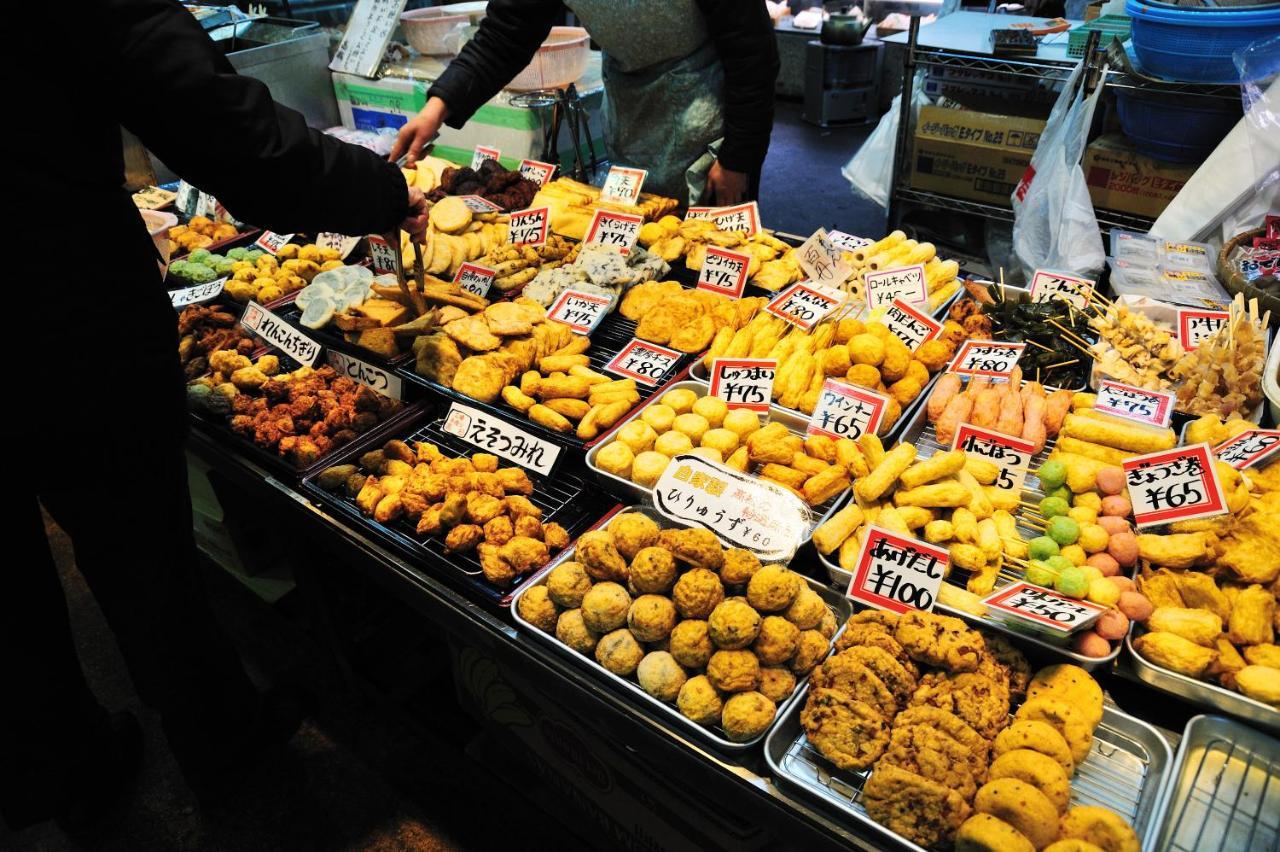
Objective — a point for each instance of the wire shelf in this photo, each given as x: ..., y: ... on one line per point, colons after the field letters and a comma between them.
x: 1033, y: 69
x: 1232, y: 803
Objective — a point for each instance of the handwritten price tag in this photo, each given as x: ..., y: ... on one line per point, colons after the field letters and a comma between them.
x: 537, y: 171
x: 495, y: 435
x: 271, y: 242
x: 1248, y: 448
x: 803, y: 306
x: 739, y: 217
x: 207, y: 206
x: 743, y: 511
x: 529, y: 227
x: 1012, y: 455
x: 280, y: 334
x: 643, y: 361
x: 616, y: 230
x: 474, y: 278
x: 477, y: 204
x: 622, y: 185
x: 482, y: 153
x: 1047, y: 286
x: 1145, y: 406
x: 896, y: 572
x: 1042, y: 608
x: 580, y: 311
x: 197, y: 294
x: 368, y: 375
x: 744, y: 382
x: 847, y: 242
x: 1194, y: 327
x: 905, y: 283
x: 1174, y: 485
x: 909, y: 325
x: 385, y: 257
x: 342, y: 245
x: 846, y: 411
x: 724, y: 272
x: 821, y: 261
x: 986, y: 358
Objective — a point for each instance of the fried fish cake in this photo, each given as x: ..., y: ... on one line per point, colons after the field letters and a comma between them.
x: 1071, y: 684
x: 978, y: 700
x: 951, y: 725
x: 850, y: 733
x: 886, y: 619
x: 1017, y: 669
x: 939, y: 640
x: 932, y: 754
x: 1037, y: 736
x: 892, y: 673
x: 1101, y: 827
x: 1022, y: 806
x: 1068, y: 721
x: 1040, y: 771
x: 877, y: 636
x: 920, y: 810
x: 845, y: 672
x: 985, y: 833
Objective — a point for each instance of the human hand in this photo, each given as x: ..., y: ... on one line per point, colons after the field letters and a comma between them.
x: 415, y: 221
x: 725, y: 187
x: 418, y: 132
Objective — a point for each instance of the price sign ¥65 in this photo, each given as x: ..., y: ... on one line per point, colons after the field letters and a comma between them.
x: 368, y: 375
x: 1174, y: 485
x: 1043, y: 608
x: 846, y: 411
x: 986, y: 358
x: 280, y: 334
x: 643, y: 361
x: 497, y: 436
x: 580, y: 311
x: 1153, y: 408
x: 909, y: 325
x: 744, y: 382
x: 897, y: 572
x: 616, y: 230
x: 803, y: 306
x: 529, y: 227
x: 724, y: 272
x: 1248, y: 448
x: 1012, y: 455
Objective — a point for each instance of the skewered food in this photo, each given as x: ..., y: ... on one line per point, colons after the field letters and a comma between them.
x: 1223, y: 376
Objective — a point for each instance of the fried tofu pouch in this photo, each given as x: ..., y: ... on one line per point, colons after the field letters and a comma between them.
x: 1175, y: 653
x: 1195, y: 625
x: 1252, y: 617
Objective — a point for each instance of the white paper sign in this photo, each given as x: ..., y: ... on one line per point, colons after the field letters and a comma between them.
x: 1194, y: 327
x: 339, y: 243
x: 495, y: 435
x: 477, y: 204
x: 897, y: 572
x: 1248, y: 448
x: 197, y: 294
x: 847, y: 242
x: 744, y: 382
x: 385, y: 257
x: 616, y: 230
x: 1041, y: 608
x: 804, y: 306
x: 885, y: 286
x: 528, y: 227
x: 384, y: 382
x: 580, y: 311
x: 1174, y: 485
x: 474, y: 278
x: 724, y: 272
x: 643, y: 361
x: 738, y: 217
x: 537, y: 171
x: 271, y: 242
x: 846, y: 411
x: 1047, y: 286
x: 986, y: 358
x: 482, y: 153
x: 368, y: 30
x: 909, y: 325
x: 1151, y: 407
x: 207, y: 206
x: 1009, y: 453
x: 280, y: 334
x: 821, y: 261
x: 622, y: 185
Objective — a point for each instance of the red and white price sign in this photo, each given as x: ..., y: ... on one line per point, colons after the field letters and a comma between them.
x: 986, y: 358
x: 1248, y: 448
x: 846, y: 411
x: 724, y: 272
x: 885, y: 286
x: 802, y: 305
x: 197, y: 294
x: 1047, y: 286
x: 909, y: 325
x: 1153, y: 408
x: 478, y: 204
x: 847, y: 242
x: 384, y: 382
x: 341, y: 244
x: 1194, y: 327
x: 474, y: 278
x: 537, y: 171
x: 482, y: 153
x: 897, y: 572
x: 622, y: 185
x: 1042, y: 608
x: 643, y: 361
x: 385, y: 256
x: 271, y: 242
x: 821, y: 261
x: 739, y: 217
x: 744, y: 382
x: 529, y: 227
x: 280, y: 334
x: 580, y: 311
x: 616, y: 230
x: 1174, y: 485
x: 1011, y: 454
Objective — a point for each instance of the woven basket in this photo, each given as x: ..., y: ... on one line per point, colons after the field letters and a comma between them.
x: 1235, y: 282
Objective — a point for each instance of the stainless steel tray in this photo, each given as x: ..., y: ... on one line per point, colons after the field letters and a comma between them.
x: 1125, y: 772
x: 839, y: 605
x: 1225, y: 790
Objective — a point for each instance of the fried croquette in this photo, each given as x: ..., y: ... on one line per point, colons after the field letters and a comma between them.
x: 1022, y: 806
x: 777, y: 640
x: 900, y: 681
x: 632, y: 532
x: 733, y: 624
x: 916, y: 808
x: 978, y: 700
x: 810, y: 649
x: 746, y: 715
x: 827, y: 627
x: 697, y: 593
x: 773, y: 588
x: 572, y: 630
x: 932, y: 754
x: 653, y: 571
x: 1101, y: 827
x: 537, y: 608
x: 690, y: 643
x: 651, y: 618
x: 1017, y: 669
x: 600, y: 557
x: 776, y: 683
x: 1068, y: 721
x: 877, y: 636
x: 660, y: 675
x: 986, y: 833
x: 567, y: 584
x: 605, y: 606
x: 1071, y: 684
x: 1040, y: 771
x: 951, y: 725
x: 619, y: 652
x: 739, y: 566
x: 807, y: 610
x: 699, y: 701
x: 733, y: 671
x: 697, y: 548
x: 850, y: 733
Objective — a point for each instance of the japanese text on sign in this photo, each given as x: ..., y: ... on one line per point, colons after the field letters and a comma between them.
x: 482, y: 153
x: 339, y: 243
x: 1194, y: 327
x: 1042, y: 608
x: 197, y: 294
x: 368, y: 30
x: 385, y: 383
x: 622, y: 185
x: 497, y: 436
x: 802, y: 306
x: 724, y: 272
x: 536, y: 171
x: 1174, y: 485
x: 909, y: 325
x: 1047, y: 286
x: 739, y: 217
x: 986, y: 358
x: 385, y: 257
x: 846, y: 411
x: 1145, y: 406
x: 580, y: 311
x: 478, y: 204
x: 271, y: 242
x: 744, y: 382
x: 616, y: 230
x: 847, y: 242
x: 907, y: 283
x: 743, y: 511
x: 1248, y: 448
x: 643, y: 361
x: 474, y: 278
x: 280, y: 334
x: 1012, y: 455
x: 207, y: 206
x: 821, y: 261
x: 529, y: 227
x: 896, y: 572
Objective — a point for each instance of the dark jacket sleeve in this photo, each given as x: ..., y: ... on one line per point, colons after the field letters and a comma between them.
x: 223, y: 133
x: 744, y: 39
x: 509, y: 35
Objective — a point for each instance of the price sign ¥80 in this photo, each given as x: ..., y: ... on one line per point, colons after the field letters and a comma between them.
x: 1012, y: 455
x: 1248, y: 448
x: 886, y: 286
x: 909, y: 325
x: 897, y: 572
x: 616, y: 230
x: 643, y: 361
x: 1153, y: 408
x: 368, y: 375
x: 1174, y: 485
x: 744, y: 382
x: 497, y: 436
x: 803, y: 306
x: 385, y: 257
x: 1047, y: 286
x: 197, y: 294
x: 846, y: 411
x: 529, y: 227
x: 986, y: 358
x: 1042, y: 608
x: 724, y: 272
x: 580, y: 311
x: 1194, y: 327
x: 280, y: 334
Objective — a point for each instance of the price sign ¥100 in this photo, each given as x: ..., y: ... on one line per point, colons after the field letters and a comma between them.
x: 385, y: 383
x: 846, y: 411
x: 616, y: 230
x: 580, y: 311
x: 1174, y: 485
x: 1153, y: 408
x: 1042, y: 608
x: 529, y: 227
x: 803, y: 306
x: 744, y: 382
x: 537, y: 171
x: 1012, y: 455
x: 886, y: 286
x: 1047, y: 286
x: 1248, y: 448
x: 495, y: 435
x: 280, y: 334
x: 986, y: 358
x: 909, y: 325
x: 643, y: 361
x: 724, y: 272
x: 897, y: 572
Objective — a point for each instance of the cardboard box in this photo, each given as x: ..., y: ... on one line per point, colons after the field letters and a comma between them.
x: 974, y: 155
x: 1121, y: 178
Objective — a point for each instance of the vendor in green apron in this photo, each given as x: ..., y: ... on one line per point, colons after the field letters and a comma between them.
x: 688, y: 86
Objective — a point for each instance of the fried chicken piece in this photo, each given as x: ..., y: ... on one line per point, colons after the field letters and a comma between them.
x: 462, y: 538
x: 524, y: 554
x: 496, y: 569
x: 482, y: 508
x: 922, y: 811
x: 514, y: 480
x: 939, y: 640
x: 978, y: 700
x: 850, y: 733
x: 453, y: 509
x: 517, y: 506
x: 932, y: 754
x: 555, y: 537
x: 528, y: 526
x: 499, y: 530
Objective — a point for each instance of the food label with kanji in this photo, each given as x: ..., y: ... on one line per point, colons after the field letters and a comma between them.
x: 482, y: 153
x: 385, y: 257
x: 474, y: 278
x: 341, y: 244
x: 724, y: 272
x: 384, y: 382
x: 280, y: 334
x: 1041, y: 608
x: 1194, y: 327
x: 1047, y: 286
x: 528, y: 227
x: 495, y: 435
x: 847, y: 242
x: 821, y: 261
x: 616, y: 230
x: 846, y: 411
x: 803, y: 305
x: 197, y: 294
x: 1248, y: 448
x: 743, y: 511
x: 580, y: 311
x: 479, y: 204
x: 643, y: 361
x: 1012, y: 455
x: 744, y: 382
x: 739, y: 217
x: 207, y: 206
x: 1151, y: 407
x: 1174, y: 485
x: 271, y: 242
x: 622, y: 185
x: 537, y: 171
x: 897, y: 572
x: 907, y: 283
x: 986, y: 358
x: 909, y: 325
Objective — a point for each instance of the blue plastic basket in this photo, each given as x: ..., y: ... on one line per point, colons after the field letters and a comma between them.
x: 1175, y: 129
x: 1194, y: 45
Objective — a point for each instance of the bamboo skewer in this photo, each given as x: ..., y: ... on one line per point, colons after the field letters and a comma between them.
x: 1063, y: 364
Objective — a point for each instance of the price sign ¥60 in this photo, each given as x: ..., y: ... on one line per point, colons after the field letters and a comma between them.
x: 744, y: 382
x: 897, y: 572
x: 724, y: 272
x: 529, y: 227
x: 886, y: 286
x: 1174, y: 485
x: 280, y: 334
x: 366, y: 374
x: 909, y: 325
x: 197, y: 294
x: 1012, y: 455
x: 643, y: 361
x: 1047, y: 286
x: 580, y: 311
x: 846, y: 411
x: 986, y: 358
x: 616, y: 230
x: 497, y: 436
x: 1248, y: 448
x: 803, y: 306
x: 1042, y: 608
x: 1153, y: 408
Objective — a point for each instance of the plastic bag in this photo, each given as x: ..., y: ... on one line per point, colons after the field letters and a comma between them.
x: 1259, y: 68
x: 870, y: 170
x: 1054, y: 226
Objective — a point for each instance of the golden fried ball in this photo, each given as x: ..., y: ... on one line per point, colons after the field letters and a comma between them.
x: 647, y: 467
x: 619, y: 652
x: 699, y: 701
x: 567, y: 583
x: 673, y: 443
x: 773, y: 588
x: 713, y: 408
x: 537, y: 608
x: 777, y: 683
x: 810, y: 649
x: 724, y: 440
x: 828, y: 625
x: 697, y: 593
x: 739, y: 566
x: 708, y: 453
x: 659, y: 416
x: 700, y: 548
x: 680, y: 400
x: 632, y: 532
x: 693, y: 425
x: 777, y: 641
x: 653, y: 571
x: 690, y: 643
x: 743, y: 421
x: 863, y: 375
x: 637, y: 435
x: 733, y: 671
x: 746, y: 716
x: 651, y: 617
x: 733, y: 624
x: 661, y: 676
x: 605, y: 606
x: 616, y: 458
x: 806, y: 610
x: 866, y: 348
x: 573, y: 631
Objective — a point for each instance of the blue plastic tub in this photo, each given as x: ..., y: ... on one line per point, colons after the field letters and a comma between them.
x: 1194, y: 45
x: 1177, y: 129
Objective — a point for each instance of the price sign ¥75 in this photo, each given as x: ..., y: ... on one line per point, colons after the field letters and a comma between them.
x: 846, y: 411
x: 1012, y: 455
x: 803, y: 306
x: 1194, y: 327
x: 1174, y: 485
x: 1153, y: 408
x: 724, y: 272
x: 986, y: 358
x: 616, y: 230
x: 643, y: 361
x: 897, y: 572
x: 1248, y: 448
x: 495, y: 435
x: 580, y: 311
x: 1047, y: 286
x: 368, y: 375
x: 1042, y: 608
x: 909, y: 325
x: 744, y: 382
x: 886, y: 286
x: 529, y: 227
x: 280, y: 334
